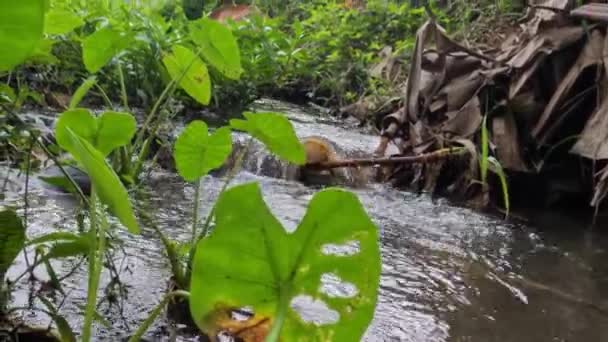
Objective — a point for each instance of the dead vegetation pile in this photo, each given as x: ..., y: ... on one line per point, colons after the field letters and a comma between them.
x: 542, y: 95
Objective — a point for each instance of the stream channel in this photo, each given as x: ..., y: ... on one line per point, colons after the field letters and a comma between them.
x: 448, y: 273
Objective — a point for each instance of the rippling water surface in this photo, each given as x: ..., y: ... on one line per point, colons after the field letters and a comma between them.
x: 448, y: 273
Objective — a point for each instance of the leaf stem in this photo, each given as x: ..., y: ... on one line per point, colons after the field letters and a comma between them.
x: 123, y: 87
x: 281, y: 314
x: 197, y: 197
x: 207, y: 225
x: 92, y: 285
x: 96, y: 260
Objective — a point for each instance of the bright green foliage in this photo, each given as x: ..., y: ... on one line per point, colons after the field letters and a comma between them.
x: 21, y: 25
x: 218, y: 46
x: 43, y: 53
x: 250, y: 260
x: 82, y: 90
x: 496, y: 167
x: 114, y: 129
x: 105, y: 133
x: 60, y: 21
x: 189, y: 71
x: 100, y: 47
x: 107, y: 185
x: 196, y: 152
x: 276, y: 132
x: 12, y: 239
x: 53, y: 237
x: 71, y: 248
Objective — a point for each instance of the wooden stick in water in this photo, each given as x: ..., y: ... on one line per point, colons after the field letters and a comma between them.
x: 422, y: 158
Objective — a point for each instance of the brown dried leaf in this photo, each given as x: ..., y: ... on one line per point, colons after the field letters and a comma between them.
x: 506, y: 137
x: 590, y: 55
x: 253, y: 329
x: 465, y: 121
x: 546, y: 43
x: 593, y: 142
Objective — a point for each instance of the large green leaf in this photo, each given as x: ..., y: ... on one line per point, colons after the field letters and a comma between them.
x: 276, y: 132
x: 105, y: 181
x: 12, y: 239
x: 196, y: 152
x: 21, y: 24
x: 100, y: 47
x: 105, y: 133
x: 61, y: 21
x: 218, y: 46
x: 190, y: 73
x: 250, y: 261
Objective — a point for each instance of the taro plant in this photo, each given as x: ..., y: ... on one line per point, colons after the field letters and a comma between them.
x: 89, y: 140
x: 250, y: 261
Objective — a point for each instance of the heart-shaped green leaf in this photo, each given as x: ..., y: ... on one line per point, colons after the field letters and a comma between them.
x: 101, y: 46
x: 190, y: 73
x: 105, y: 133
x: 196, y: 152
x: 21, y: 24
x: 251, y: 261
x: 114, y: 129
x: 276, y: 132
x: 218, y: 46
x: 61, y: 21
x: 80, y: 121
x: 105, y: 181
x: 12, y: 239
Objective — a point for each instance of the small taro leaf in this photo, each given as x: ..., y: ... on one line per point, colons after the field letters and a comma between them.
x: 43, y: 53
x: 105, y: 181
x: 250, y: 261
x: 61, y: 21
x: 100, y: 47
x: 196, y: 152
x: 114, y: 129
x: 81, y: 122
x: 53, y: 237
x: 218, y: 46
x: 21, y: 24
x: 69, y: 249
x: 12, y: 239
x: 80, y: 93
x: 195, y: 80
x: 276, y: 132
x: 109, y: 131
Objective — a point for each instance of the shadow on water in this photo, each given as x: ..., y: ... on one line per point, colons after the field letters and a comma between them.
x: 449, y: 273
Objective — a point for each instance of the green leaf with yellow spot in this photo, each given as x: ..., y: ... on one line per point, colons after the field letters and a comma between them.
x: 251, y: 261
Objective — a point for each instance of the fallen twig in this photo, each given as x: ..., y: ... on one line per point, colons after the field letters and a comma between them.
x: 418, y: 159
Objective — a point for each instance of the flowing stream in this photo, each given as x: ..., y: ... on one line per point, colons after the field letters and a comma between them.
x: 448, y: 273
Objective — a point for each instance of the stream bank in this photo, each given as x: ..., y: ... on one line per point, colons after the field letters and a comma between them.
x: 449, y: 273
